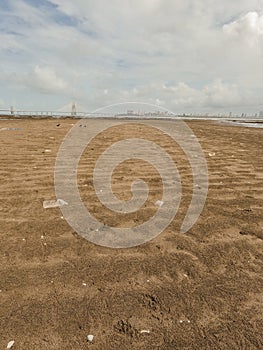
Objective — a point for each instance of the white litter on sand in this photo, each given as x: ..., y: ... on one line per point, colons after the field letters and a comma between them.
x: 90, y: 337
x: 10, y: 129
x: 10, y: 344
x: 159, y: 203
x: 54, y: 203
x: 145, y: 331
x: 185, y: 320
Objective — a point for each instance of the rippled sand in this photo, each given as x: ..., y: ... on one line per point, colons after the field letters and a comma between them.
x: 201, y: 290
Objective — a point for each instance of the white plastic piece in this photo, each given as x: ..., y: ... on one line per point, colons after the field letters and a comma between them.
x: 145, y: 331
x: 90, y: 337
x: 54, y: 203
x: 10, y: 344
x: 159, y: 203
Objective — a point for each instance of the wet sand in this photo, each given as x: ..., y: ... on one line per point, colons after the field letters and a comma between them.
x: 200, y: 290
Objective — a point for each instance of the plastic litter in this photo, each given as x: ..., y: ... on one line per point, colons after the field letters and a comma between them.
x: 145, y: 331
x: 211, y: 154
x: 90, y: 337
x: 159, y: 203
x: 54, y: 203
x: 10, y: 344
x: 10, y: 129
x: 184, y: 320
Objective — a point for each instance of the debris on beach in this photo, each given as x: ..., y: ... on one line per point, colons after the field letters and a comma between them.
x: 10, y: 344
x: 2, y: 129
x: 211, y: 154
x: 246, y: 210
x: 54, y: 203
x: 147, y: 331
x: 184, y: 320
x: 90, y: 337
x: 159, y: 203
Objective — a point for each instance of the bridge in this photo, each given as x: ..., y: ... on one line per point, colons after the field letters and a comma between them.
x: 73, y: 113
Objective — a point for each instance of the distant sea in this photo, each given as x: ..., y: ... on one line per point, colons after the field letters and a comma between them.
x: 247, y: 125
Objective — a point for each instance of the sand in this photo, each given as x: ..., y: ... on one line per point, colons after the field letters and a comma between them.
x: 200, y: 290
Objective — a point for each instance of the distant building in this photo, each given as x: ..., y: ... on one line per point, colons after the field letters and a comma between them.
x: 261, y: 113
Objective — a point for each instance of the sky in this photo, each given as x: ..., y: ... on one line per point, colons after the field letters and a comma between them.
x: 187, y: 56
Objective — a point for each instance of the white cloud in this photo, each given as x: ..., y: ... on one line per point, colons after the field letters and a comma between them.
x: 248, y: 28
x: 178, y: 54
x: 181, y: 97
x: 41, y: 79
x: 219, y: 94
x: 46, y: 79
x: 9, y: 42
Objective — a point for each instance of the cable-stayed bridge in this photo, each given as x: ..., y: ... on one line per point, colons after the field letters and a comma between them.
x: 71, y: 111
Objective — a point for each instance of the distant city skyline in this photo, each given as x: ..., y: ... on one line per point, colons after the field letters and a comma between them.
x: 186, y: 56
x: 72, y: 110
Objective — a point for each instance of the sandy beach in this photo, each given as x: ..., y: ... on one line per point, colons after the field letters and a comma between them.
x: 196, y: 291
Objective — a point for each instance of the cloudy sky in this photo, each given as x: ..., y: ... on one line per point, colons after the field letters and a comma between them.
x: 186, y: 55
